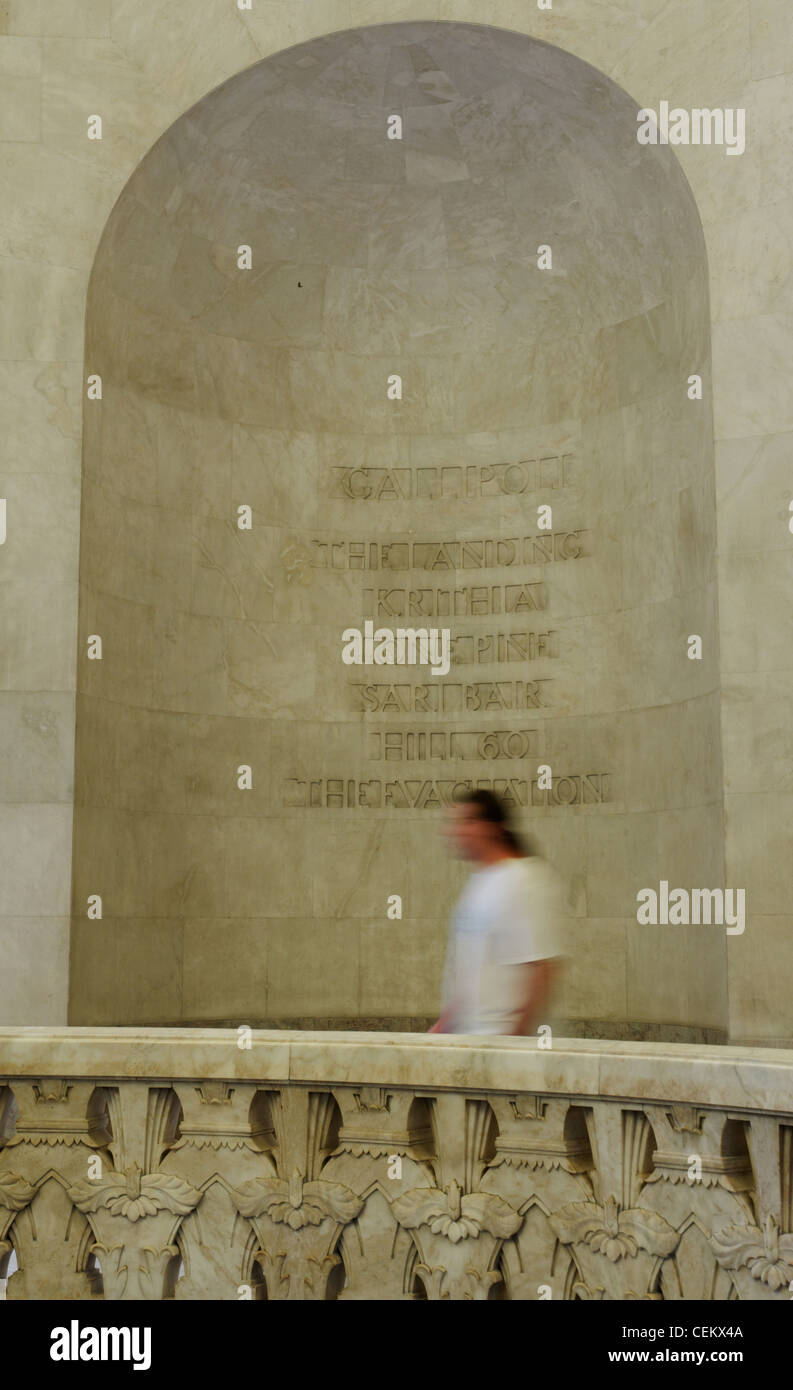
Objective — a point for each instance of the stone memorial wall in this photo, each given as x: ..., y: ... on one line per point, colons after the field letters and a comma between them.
x: 392, y: 410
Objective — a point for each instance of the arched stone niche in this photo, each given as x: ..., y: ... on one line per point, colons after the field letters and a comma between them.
x: 521, y: 386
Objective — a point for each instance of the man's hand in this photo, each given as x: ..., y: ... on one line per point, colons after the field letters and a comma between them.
x: 538, y: 976
x: 446, y: 1021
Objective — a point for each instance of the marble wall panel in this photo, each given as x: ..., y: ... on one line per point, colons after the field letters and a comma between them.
x: 195, y: 368
x: 427, y: 268
x: 35, y: 967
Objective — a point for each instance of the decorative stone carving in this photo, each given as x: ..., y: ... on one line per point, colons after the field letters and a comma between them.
x: 767, y: 1254
x: 135, y: 1195
x: 297, y: 1203
x: 314, y: 1211
x: 436, y: 1185
x: 225, y: 1137
x: 612, y: 1232
x: 15, y: 1194
x: 454, y: 1214
x: 136, y: 1260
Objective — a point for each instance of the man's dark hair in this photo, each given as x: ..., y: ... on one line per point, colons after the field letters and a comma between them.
x: 491, y: 808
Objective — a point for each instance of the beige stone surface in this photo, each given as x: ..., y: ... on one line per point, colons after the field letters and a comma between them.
x: 160, y: 1163
x: 370, y: 260
x: 574, y: 1066
x: 35, y: 952
x: 217, y: 393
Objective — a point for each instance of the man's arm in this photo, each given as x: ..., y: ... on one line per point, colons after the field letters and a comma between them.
x: 537, y: 977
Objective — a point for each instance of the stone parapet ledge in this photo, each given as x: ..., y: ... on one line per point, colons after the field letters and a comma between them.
x: 222, y: 1164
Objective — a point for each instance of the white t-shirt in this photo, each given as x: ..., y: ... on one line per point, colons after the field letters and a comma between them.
x: 507, y: 915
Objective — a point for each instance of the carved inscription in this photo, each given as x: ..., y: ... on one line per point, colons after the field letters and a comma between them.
x: 470, y: 649
x: 477, y: 600
x: 444, y: 597
x: 574, y: 789
x: 439, y: 745
x: 445, y: 698
x: 551, y: 472
x: 448, y: 555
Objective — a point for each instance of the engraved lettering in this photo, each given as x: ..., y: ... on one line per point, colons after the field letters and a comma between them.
x: 470, y: 481
x: 447, y: 555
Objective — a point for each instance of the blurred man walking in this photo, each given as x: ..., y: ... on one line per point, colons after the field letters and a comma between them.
x: 504, y: 946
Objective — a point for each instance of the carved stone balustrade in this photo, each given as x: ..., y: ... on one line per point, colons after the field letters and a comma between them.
x: 187, y: 1164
